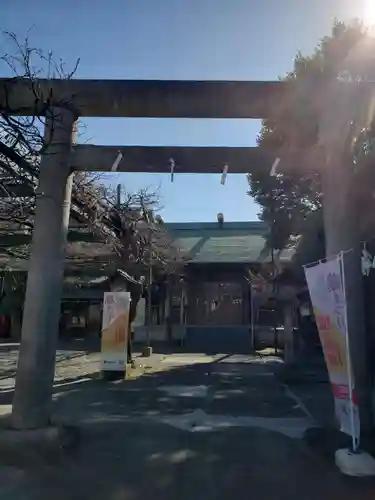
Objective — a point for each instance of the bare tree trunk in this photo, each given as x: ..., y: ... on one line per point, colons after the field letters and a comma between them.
x: 35, y: 373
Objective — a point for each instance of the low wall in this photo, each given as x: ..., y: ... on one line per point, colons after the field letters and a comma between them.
x: 158, y: 333
x: 218, y: 339
x: 214, y: 338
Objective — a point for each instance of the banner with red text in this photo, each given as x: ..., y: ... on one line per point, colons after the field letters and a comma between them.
x: 326, y: 286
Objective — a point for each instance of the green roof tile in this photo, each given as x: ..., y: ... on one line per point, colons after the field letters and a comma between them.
x: 235, y: 242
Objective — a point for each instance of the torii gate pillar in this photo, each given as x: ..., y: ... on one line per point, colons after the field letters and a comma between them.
x: 36, y: 363
x: 344, y: 109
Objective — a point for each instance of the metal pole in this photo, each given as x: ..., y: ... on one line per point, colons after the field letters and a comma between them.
x: 355, y: 441
x: 182, y: 304
x: 36, y: 362
x: 273, y: 281
x: 252, y: 318
x: 149, y: 293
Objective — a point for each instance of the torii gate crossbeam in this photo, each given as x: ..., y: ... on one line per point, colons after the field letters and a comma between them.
x: 145, y: 98
x: 157, y: 159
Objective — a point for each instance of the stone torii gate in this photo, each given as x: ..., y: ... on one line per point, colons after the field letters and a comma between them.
x: 68, y: 100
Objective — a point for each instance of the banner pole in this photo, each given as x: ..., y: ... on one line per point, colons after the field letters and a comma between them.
x: 252, y: 319
x: 355, y: 441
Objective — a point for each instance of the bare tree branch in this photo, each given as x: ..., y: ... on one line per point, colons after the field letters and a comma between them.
x: 137, y: 238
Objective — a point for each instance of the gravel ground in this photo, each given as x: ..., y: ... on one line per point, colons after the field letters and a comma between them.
x: 70, y: 363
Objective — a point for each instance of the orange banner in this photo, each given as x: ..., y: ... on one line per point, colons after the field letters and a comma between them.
x: 115, y: 326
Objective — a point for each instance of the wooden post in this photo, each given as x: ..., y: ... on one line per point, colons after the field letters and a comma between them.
x: 288, y: 310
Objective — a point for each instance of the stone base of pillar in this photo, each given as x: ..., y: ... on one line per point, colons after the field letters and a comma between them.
x: 46, y: 442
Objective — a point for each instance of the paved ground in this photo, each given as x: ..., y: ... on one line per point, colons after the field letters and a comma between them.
x: 192, y: 426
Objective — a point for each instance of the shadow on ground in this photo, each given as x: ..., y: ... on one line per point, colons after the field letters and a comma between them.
x: 128, y: 453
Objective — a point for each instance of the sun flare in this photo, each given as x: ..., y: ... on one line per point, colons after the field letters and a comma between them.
x: 369, y: 12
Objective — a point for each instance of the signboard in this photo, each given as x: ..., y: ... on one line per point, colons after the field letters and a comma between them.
x: 326, y: 282
x: 115, y: 325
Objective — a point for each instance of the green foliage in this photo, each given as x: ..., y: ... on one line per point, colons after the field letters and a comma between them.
x: 292, y: 132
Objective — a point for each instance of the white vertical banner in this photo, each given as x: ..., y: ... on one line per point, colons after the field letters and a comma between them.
x: 115, y: 326
x: 326, y: 282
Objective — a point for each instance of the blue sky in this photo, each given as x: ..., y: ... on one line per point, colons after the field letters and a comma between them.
x: 179, y: 39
